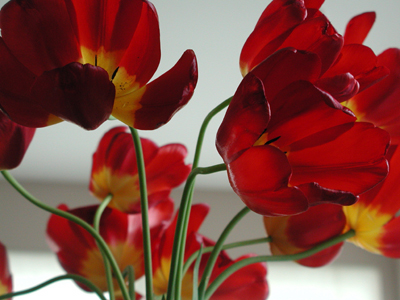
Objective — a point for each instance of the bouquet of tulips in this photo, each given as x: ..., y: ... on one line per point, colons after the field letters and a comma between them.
x: 306, y: 142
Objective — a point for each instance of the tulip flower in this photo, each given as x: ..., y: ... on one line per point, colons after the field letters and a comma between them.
x: 81, y: 61
x: 374, y: 217
x: 114, y: 170
x: 288, y: 145
x: 246, y: 283
x: 77, y: 251
x: 5, y: 276
x: 298, y: 233
x: 14, y: 141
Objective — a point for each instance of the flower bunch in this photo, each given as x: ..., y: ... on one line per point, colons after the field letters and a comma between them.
x: 309, y: 143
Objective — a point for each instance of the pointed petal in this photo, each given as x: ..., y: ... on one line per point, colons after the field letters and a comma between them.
x: 358, y: 28
x: 154, y: 105
x: 274, y: 25
x: 15, y: 140
x: 39, y: 33
x: 259, y: 176
x: 348, y: 157
x: 81, y: 94
x: 245, y: 120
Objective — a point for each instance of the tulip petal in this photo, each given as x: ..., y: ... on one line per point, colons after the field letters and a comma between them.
x: 245, y: 120
x: 15, y: 140
x: 81, y: 94
x: 389, y: 240
x: 358, y: 28
x: 342, y: 87
x: 154, y: 105
x: 39, y: 33
x: 260, y: 178
x: 348, y: 157
x: 5, y: 276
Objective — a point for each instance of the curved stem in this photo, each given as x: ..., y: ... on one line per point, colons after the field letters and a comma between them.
x: 96, y: 226
x: 268, y: 258
x: 101, y: 243
x: 203, y: 128
x: 217, y: 249
x: 81, y: 279
x: 129, y: 271
x: 175, y: 275
x: 145, y: 214
x: 193, y: 257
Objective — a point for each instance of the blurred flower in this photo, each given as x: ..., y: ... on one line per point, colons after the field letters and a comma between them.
x: 247, y: 283
x: 5, y: 276
x: 15, y: 140
x: 114, y: 170
x: 298, y: 233
x: 288, y: 145
x: 69, y: 60
x: 77, y: 250
x: 374, y: 217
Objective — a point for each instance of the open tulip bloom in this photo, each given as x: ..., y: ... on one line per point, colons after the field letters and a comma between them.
x: 309, y: 142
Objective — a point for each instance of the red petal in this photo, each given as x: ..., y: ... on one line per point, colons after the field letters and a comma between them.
x: 274, y: 25
x: 317, y: 35
x: 39, y: 33
x: 390, y: 239
x: 348, y: 157
x: 5, y: 275
x: 314, y: 4
x: 358, y: 28
x: 342, y: 87
x: 15, y: 140
x: 154, y: 105
x: 260, y: 178
x: 81, y: 94
x: 286, y: 66
x: 245, y: 120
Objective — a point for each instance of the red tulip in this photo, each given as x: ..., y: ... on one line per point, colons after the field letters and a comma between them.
x: 15, y: 140
x: 247, y: 283
x: 288, y: 145
x: 298, y: 233
x: 374, y: 217
x: 5, y: 276
x: 114, y: 170
x: 81, y: 61
x: 78, y: 252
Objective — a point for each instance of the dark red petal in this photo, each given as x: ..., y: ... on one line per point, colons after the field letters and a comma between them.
x: 300, y: 110
x: 15, y: 140
x: 342, y: 87
x: 317, y: 35
x: 358, y: 28
x: 313, y: 4
x: 5, y: 275
x: 154, y: 105
x: 260, y: 177
x: 81, y: 94
x: 286, y: 66
x: 245, y: 120
x: 15, y: 84
x: 274, y: 25
x: 39, y: 33
x: 348, y: 157
x: 322, y: 258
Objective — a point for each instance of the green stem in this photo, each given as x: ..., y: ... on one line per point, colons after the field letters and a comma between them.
x: 175, y: 275
x: 131, y: 281
x: 145, y: 214
x: 78, y: 278
x: 268, y: 258
x: 96, y: 226
x: 101, y: 243
x: 193, y: 257
x: 203, y: 128
x: 217, y: 249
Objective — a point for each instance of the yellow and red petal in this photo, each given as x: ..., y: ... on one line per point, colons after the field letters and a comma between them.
x: 275, y: 24
x: 245, y: 120
x: 154, y: 105
x: 39, y: 33
x: 348, y: 157
x: 81, y: 94
x: 358, y: 28
x: 15, y: 140
x: 5, y: 275
x: 298, y: 233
